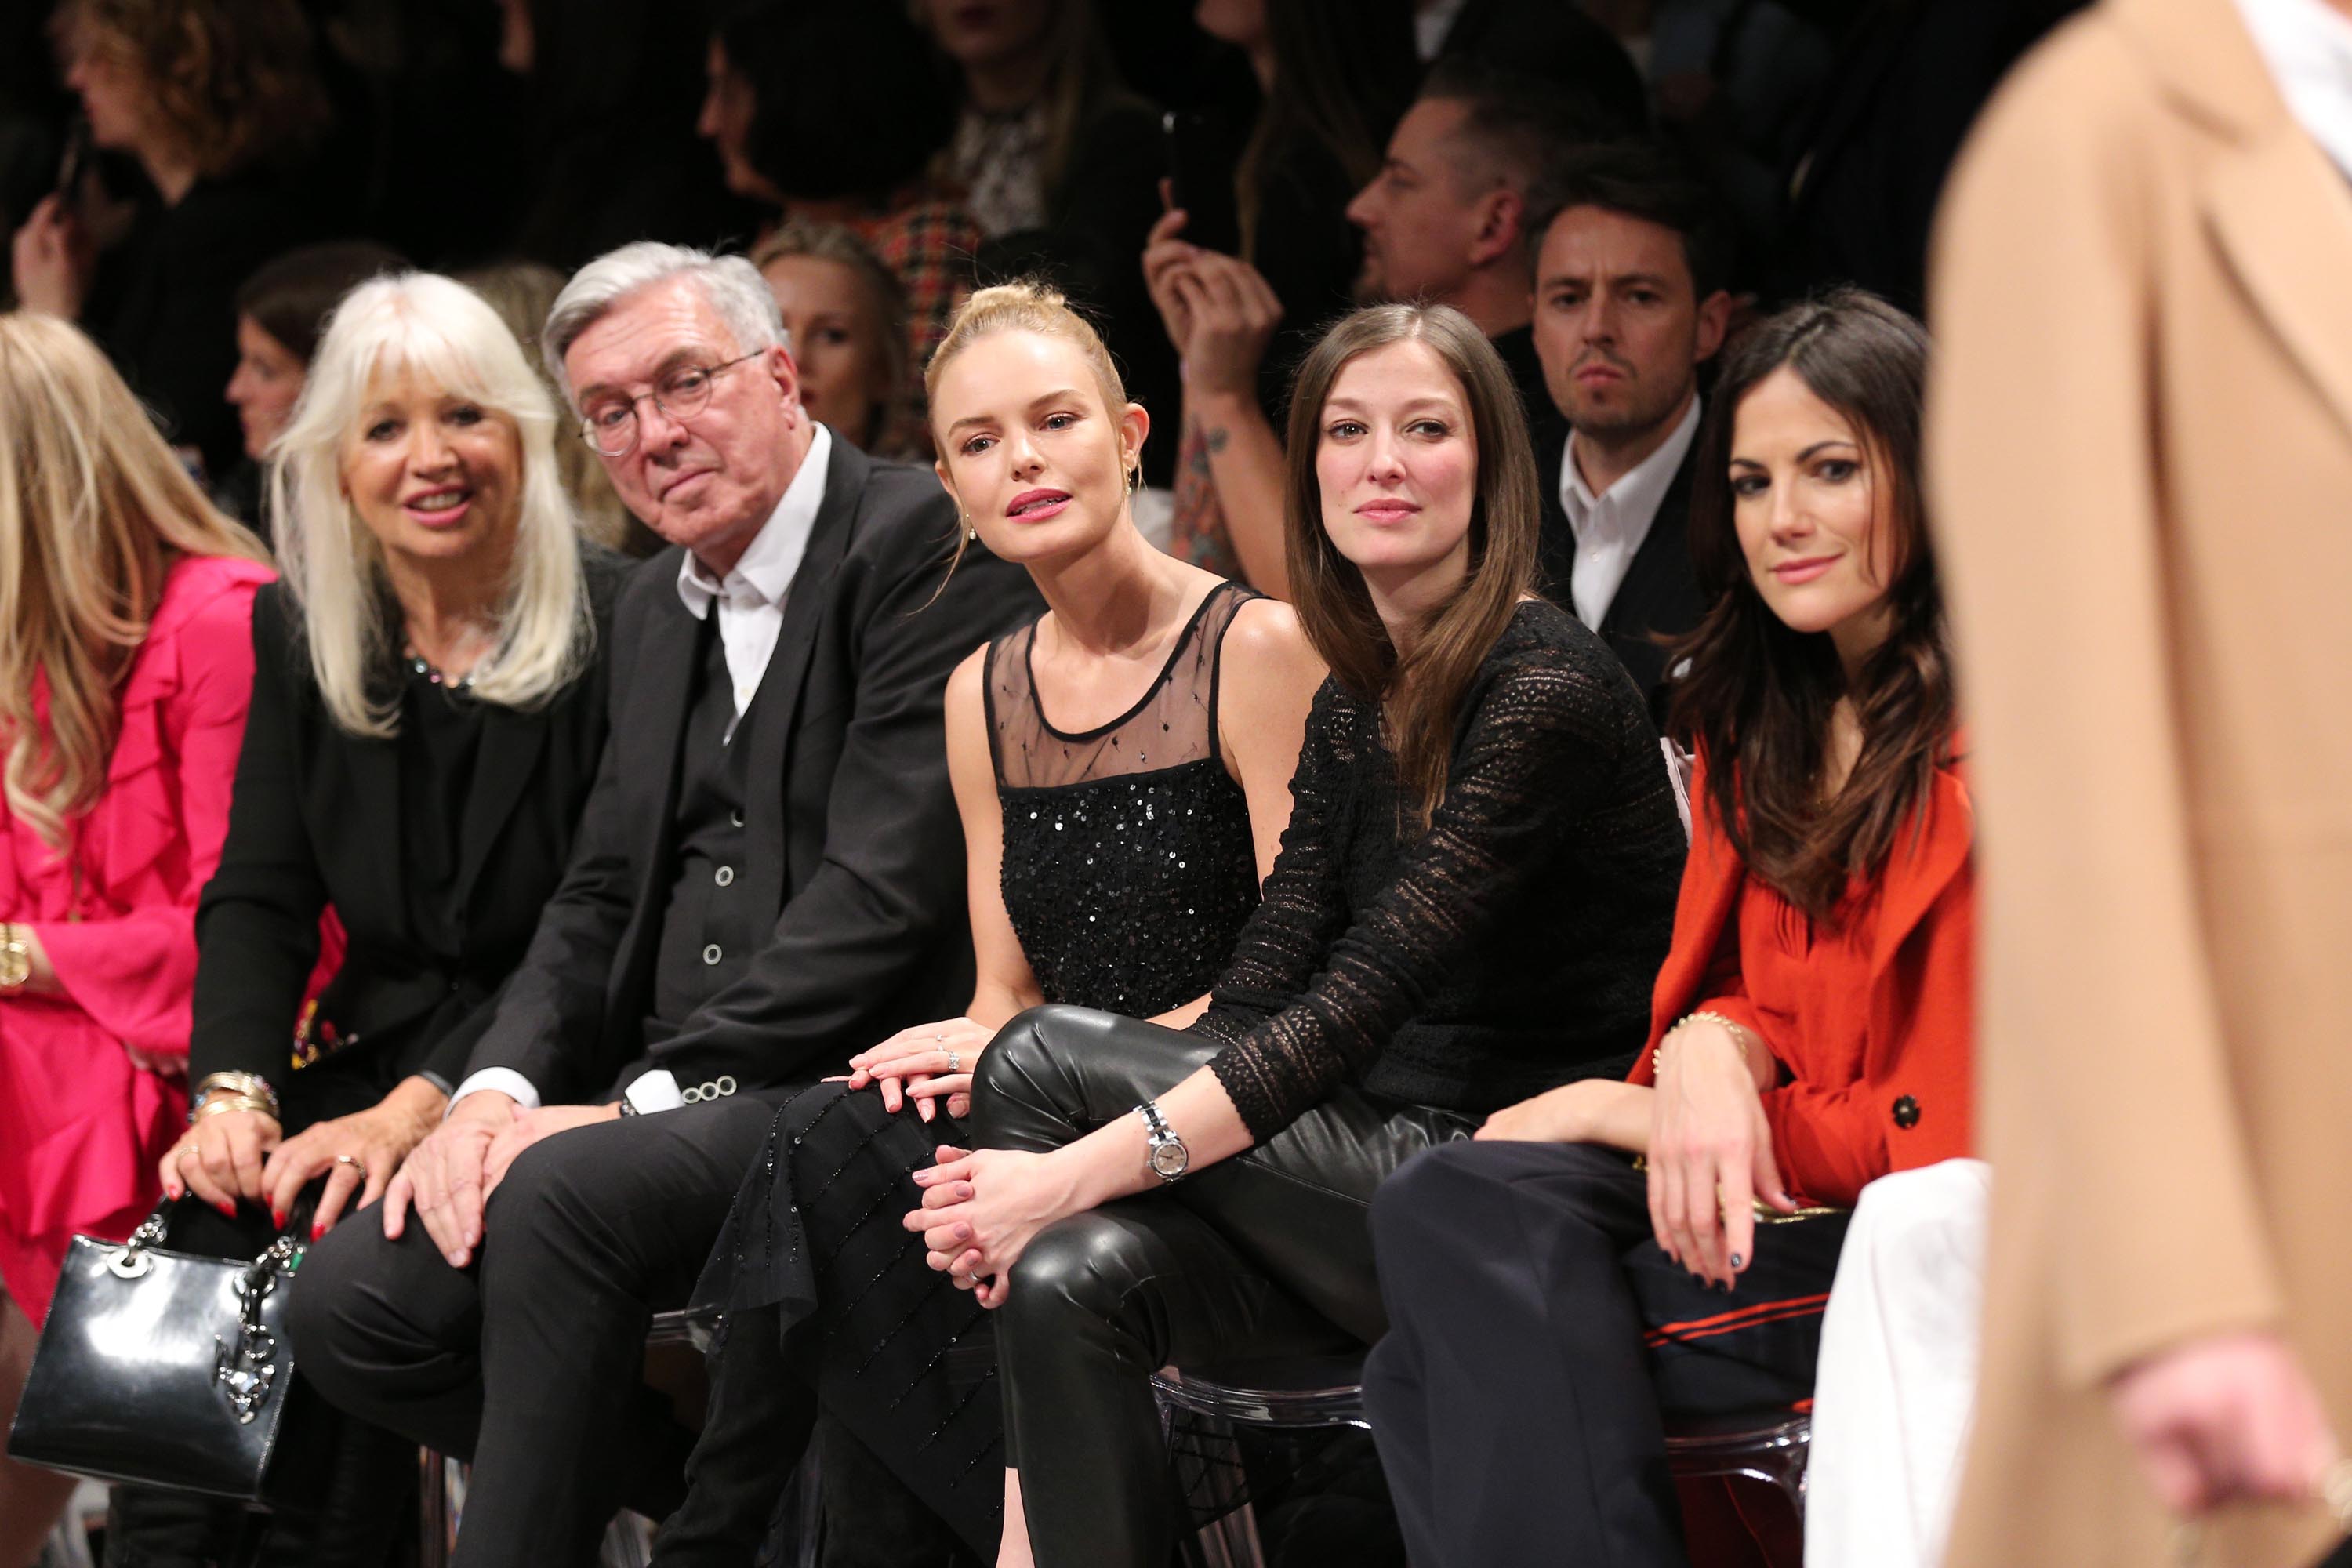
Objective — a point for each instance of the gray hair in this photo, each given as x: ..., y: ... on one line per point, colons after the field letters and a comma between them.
x: 442, y: 330
x: 731, y: 286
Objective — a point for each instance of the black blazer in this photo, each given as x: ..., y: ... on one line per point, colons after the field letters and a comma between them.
x: 1660, y: 593
x: 317, y: 820
x: 854, y: 839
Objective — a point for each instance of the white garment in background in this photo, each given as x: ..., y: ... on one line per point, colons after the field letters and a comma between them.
x: 1897, y: 1377
x: 2308, y: 45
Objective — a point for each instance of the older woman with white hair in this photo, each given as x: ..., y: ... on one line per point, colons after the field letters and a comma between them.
x: 427, y: 714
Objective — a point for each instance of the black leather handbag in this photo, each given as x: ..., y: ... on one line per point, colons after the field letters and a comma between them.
x: 167, y: 1369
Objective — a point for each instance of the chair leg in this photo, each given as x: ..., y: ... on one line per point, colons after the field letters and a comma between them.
x: 432, y: 1510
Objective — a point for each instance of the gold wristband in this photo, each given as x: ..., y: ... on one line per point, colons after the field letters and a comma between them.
x: 238, y: 1102
x: 16, y: 957
x: 1738, y: 1032
x: 244, y: 1084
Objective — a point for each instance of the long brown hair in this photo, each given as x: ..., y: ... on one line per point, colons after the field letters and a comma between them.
x: 1758, y: 696
x: 1419, y: 694
x: 93, y: 509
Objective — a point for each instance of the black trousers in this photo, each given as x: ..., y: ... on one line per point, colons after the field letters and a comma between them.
x: 1539, y: 1338
x: 1266, y: 1253
x: 527, y: 1360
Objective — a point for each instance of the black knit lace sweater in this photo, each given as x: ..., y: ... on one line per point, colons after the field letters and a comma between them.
x: 1508, y: 949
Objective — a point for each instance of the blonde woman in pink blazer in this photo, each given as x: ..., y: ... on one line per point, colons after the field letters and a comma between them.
x: 126, y: 658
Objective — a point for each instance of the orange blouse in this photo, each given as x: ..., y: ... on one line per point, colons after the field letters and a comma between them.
x: 1868, y: 1010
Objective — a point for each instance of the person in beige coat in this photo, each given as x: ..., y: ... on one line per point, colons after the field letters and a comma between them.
x: 2140, y: 451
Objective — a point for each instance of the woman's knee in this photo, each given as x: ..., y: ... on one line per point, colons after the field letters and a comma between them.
x: 1082, y: 1269
x: 1008, y: 1082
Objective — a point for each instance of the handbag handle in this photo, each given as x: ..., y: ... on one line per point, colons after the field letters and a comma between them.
x: 130, y: 1260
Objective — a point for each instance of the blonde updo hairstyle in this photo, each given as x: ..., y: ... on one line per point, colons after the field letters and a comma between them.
x: 1024, y: 305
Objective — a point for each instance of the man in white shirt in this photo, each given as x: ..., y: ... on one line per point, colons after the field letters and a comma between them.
x: 768, y: 876
x: 1629, y: 303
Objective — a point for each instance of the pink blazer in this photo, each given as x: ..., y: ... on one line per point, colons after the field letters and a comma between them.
x: 80, y: 1127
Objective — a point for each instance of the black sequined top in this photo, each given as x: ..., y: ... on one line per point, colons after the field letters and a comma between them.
x: 1129, y: 866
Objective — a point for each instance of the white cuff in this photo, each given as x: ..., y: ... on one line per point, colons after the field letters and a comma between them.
x: 506, y: 1081
x: 652, y: 1092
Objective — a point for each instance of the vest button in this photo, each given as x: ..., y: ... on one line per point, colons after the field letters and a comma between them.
x: 1906, y: 1114
x: 723, y: 876
x: 711, y: 955
x: 735, y: 819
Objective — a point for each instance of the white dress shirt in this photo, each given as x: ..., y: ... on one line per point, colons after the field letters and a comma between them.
x: 750, y: 597
x: 1609, y: 527
x: 750, y: 601
x: 2308, y: 45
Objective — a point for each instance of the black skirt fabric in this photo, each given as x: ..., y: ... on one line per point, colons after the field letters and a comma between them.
x: 821, y: 1283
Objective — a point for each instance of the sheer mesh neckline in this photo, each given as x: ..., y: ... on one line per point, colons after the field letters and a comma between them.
x: 1028, y: 635
x: 1173, y: 722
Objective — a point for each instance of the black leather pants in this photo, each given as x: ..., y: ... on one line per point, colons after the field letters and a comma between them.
x: 1266, y: 1254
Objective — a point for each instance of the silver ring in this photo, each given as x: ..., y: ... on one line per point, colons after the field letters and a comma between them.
x: 955, y: 1063
x: 347, y: 1160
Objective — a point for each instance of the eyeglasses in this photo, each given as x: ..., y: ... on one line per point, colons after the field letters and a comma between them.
x: 610, y: 425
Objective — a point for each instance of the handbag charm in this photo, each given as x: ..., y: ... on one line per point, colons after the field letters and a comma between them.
x: 246, y: 1374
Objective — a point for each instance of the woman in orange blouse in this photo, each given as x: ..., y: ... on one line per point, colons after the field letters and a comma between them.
x: 1810, y: 1029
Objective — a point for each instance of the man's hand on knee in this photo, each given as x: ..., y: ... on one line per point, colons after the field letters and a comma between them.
x: 443, y: 1176
x: 530, y: 1127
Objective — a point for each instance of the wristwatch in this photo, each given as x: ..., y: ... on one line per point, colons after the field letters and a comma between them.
x: 1169, y: 1157
x: 15, y: 958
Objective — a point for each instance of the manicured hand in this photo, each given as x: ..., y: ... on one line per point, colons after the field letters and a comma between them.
x: 2229, y: 1418
x: 357, y: 1153
x: 981, y: 1209
x: 926, y: 1063
x: 220, y: 1159
x: 1710, y: 1155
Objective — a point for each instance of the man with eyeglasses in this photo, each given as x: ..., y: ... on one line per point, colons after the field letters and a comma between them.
x: 769, y: 876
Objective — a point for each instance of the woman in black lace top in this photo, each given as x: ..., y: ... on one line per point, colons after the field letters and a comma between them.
x: 1120, y: 765
x: 1472, y: 897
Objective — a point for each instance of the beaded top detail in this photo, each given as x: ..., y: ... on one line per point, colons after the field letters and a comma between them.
x: 1128, y: 867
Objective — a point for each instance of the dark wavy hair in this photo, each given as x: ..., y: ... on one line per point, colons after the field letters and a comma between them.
x: 234, y: 80
x: 1421, y: 693
x: 1757, y: 698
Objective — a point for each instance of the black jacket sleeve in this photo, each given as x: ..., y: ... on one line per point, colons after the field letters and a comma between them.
x: 258, y: 923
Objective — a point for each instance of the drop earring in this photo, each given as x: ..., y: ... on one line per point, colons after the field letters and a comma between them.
x: 971, y: 534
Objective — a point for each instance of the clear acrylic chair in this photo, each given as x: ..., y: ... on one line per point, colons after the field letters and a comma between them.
x: 1199, y: 1411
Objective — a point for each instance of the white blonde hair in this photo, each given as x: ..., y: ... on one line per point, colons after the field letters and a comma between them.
x: 443, y: 332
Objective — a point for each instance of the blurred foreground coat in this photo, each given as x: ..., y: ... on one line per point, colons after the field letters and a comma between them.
x: 2140, y: 444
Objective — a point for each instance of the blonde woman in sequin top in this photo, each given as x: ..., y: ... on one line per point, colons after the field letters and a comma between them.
x: 1122, y: 766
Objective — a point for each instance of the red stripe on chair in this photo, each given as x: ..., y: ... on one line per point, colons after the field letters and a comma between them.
x: 1729, y: 1323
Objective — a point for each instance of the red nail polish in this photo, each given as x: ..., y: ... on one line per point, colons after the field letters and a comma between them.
x: 228, y: 1209
x: 316, y: 1230
x: 276, y: 1218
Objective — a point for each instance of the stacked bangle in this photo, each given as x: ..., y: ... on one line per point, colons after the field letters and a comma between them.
x: 1738, y: 1031
x: 244, y: 1091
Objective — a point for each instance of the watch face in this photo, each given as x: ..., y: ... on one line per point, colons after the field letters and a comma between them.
x: 1169, y: 1159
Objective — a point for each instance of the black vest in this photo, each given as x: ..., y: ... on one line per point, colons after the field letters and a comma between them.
x: 710, y: 927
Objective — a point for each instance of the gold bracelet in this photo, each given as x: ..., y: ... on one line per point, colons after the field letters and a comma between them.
x: 240, y: 1102
x: 1738, y: 1031
x: 251, y: 1086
